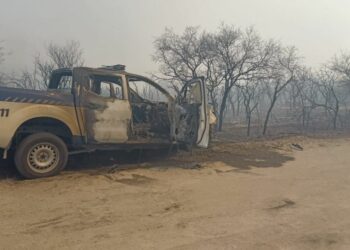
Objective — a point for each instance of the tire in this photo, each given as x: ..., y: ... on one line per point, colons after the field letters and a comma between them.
x: 41, y: 155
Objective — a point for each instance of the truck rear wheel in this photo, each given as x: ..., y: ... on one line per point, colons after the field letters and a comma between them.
x: 41, y: 155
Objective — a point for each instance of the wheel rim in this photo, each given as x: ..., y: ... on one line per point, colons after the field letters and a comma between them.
x: 43, y: 157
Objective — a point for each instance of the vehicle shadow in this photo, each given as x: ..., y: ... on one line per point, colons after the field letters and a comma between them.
x: 233, y: 155
x: 101, y: 162
x: 96, y: 161
x: 8, y: 170
x: 244, y: 158
x: 116, y: 159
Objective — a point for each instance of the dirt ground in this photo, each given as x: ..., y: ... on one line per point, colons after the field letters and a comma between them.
x: 288, y: 193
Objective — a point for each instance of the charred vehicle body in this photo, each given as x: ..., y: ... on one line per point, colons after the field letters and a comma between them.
x: 87, y: 109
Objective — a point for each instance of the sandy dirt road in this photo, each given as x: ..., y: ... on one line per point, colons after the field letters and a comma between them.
x: 256, y: 195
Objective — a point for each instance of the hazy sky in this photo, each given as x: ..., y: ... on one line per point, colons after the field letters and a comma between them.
x: 115, y: 31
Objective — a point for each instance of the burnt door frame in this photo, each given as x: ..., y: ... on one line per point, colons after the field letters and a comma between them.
x: 106, y: 119
x: 165, y: 137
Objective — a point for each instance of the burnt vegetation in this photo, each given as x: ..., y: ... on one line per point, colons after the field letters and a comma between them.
x: 254, y: 84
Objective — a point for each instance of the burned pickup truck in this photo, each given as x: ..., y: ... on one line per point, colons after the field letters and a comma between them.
x: 86, y: 109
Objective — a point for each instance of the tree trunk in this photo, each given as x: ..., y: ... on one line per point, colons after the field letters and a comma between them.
x: 268, y: 114
x: 238, y: 109
x: 213, y: 101
x: 248, y: 125
x: 336, y: 111
x: 233, y: 108
x: 222, y: 109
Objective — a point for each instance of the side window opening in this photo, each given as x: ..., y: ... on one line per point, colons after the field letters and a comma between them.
x: 105, y: 89
x: 62, y: 81
x: 118, y: 91
x: 195, y: 95
x: 192, y: 94
x: 145, y: 90
x: 106, y: 86
x: 149, y: 110
x: 65, y: 83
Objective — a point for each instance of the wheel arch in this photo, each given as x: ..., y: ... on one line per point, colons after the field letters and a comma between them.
x: 22, y: 113
x: 43, y: 124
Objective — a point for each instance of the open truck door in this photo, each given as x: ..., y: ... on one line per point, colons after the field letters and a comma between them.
x: 192, y: 114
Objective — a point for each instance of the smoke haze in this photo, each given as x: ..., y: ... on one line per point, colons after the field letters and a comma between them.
x: 112, y: 32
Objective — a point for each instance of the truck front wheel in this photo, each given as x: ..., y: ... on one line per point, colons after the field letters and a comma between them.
x: 41, y: 155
